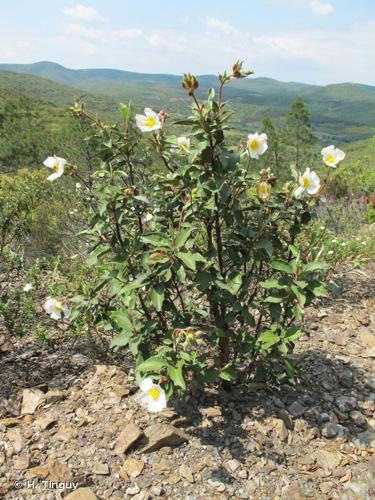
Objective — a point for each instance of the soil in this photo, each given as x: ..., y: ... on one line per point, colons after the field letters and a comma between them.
x: 71, y: 426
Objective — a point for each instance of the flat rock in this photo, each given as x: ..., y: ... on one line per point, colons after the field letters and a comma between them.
x: 133, y: 467
x: 159, y: 435
x: 328, y: 459
x: 127, y: 438
x: 31, y: 399
x: 45, y: 422
x: 82, y: 494
x: 100, y: 469
x: 365, y: 439
x: 185, y: 472
x: 332, y: 430
x: 296, y: 409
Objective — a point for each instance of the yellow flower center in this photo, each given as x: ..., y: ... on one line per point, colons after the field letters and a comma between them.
x: 154, y: 393
x: 56, y: 167
x: 306, y: 182
x: 150, y: 122
x: 58, y: 309
x: 330, y: 159
x: 183, y: 146
x: 254, y: 144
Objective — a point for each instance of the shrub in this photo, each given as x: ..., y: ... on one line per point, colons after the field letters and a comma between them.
x: 200, y: 273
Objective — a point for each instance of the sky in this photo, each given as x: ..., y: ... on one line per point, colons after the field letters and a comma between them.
x: 312, y: 41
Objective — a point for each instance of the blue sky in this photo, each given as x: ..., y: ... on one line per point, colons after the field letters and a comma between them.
x: 315, y: 41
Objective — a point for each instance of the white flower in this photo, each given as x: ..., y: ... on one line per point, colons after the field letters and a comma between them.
x: 343, y: 244
x: 332, y: 156
x: 57, y: 164
x: 56, y: 309
x: 363, y: 243
x: 147, y: 217
x: 183, y: 143
x: 74, y: 256
x: 330, y: 252
x: 149, y: 121
x: 256, y: 145
x: 78, y: 185
x: 322, y: 228
x: 152, y: 397
x: 309, y: 182
x: 27, y: 287
x: 334, y: 241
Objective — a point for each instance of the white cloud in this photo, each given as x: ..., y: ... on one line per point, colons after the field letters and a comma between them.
x: 213, y: 23
x: 83, y: 31
x: 83, y: 13
x: 321, y: 8
x: 317, y: 7
x: 128, y: 33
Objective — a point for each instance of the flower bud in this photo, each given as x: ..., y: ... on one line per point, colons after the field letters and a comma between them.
x: 189, y: 83
x: 263, y: 190
x: 237, y: 71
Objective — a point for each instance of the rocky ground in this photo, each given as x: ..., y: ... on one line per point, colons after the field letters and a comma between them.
x: 68, y: 416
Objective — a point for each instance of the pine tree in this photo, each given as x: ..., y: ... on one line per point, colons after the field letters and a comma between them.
x: 299, y: 135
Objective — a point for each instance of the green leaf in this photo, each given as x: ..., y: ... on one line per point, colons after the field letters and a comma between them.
x: 268, y: 339
x: 301, y: 297
x: 266, y: 245
x: 157, y: 296
x: 157, y: 240
x: 313, y: 266
x: 153, y: 364
x: 229, y: 373
x: 190, y: 259
x: 271, y: 283
x: 120, y: 340
x: 182, y: 237
x: 121, y: 319
x: 282, y: 266
x: 175, y: 373
x: 96, y: 254
x: 274, y: 299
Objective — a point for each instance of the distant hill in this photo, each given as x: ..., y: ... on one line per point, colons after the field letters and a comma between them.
x: 340, y: 112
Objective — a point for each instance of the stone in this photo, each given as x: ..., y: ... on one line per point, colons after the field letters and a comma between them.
x: 133, y: 467
x: 346, y: 403
x: 54, y: 396
x: 22, y: 462
x: 286, y: 418
x: 281, y: 430
x: 328, y: 459
x: 9, y: 422
x: 293, y: 492
x: 232, y: 465
x: 185, y: 472
x: 358, y: 419
x: 15, y: 437
x: 65, y: 433
x: 332, y: 430
x: 127, y: 438
x: 37, y: 471
x: 367, y: 338
x: 213, y: 411
x: 31, y: 399
x: 296, y: 409
x: 159, y: 435
x: 45, y: 422
x: 365, y: 439
x: 132, y: 490
x: 215, y: 483
x: 370, y: 383
x: 369, y: 353
x: 82, y: 494
x: 100, y: 469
